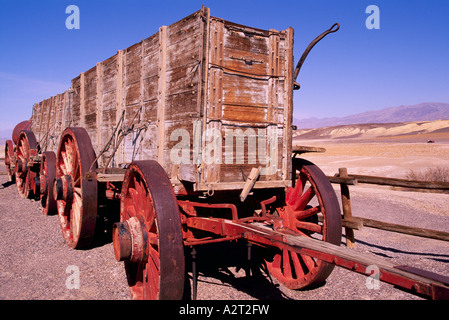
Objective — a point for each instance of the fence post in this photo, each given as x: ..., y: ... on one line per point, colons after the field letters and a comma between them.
x: 346, y: 204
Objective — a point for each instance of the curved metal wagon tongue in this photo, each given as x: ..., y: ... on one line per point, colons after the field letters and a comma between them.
x: 296, y: 85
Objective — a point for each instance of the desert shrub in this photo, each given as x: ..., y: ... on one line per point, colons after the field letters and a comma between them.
x: 440, y: 173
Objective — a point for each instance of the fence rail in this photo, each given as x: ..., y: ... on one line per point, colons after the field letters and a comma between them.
x: 351, y: 223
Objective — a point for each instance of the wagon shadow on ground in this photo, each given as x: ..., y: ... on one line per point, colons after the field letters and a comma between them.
x: 440, y: 257
x: 7, y: 184
x: 226, y: 264
x: 108, y: 213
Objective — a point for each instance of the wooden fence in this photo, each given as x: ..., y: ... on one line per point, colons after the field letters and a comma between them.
x: 351, y: 223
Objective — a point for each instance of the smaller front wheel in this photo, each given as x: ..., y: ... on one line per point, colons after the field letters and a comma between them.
x: 311, y: 210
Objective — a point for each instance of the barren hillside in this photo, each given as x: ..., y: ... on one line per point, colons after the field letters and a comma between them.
x: 420, y: 131
x: 427, y: 111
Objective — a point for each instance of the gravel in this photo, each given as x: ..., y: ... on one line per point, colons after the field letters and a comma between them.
x: 35, y: 263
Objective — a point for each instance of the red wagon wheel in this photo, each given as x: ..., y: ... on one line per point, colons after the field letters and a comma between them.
x: 311, y: 210
x: 26, y: 148
x: 10, y: 159
x: 149, y: 237
x: 47, y: 180
x: 75, y: 189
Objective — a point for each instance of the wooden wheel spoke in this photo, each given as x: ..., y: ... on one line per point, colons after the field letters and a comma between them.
x: 299, y: 201
x: 77, y: 173
x: 77, y: 191
x: 154, y: 257
x: 129, y: 212
x: 297, y: 266
x: 286, y: 263
x: 308, y: 261
x: 153, y: 239
x: 75, y: 218
x: 310, y: 226
x: 152, y: 275
x: 301, y: 215
x: 65, y: 167
x: 135, y: 200
x: 21, y: 150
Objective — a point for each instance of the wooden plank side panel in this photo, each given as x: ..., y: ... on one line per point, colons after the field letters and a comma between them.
x: 249, y: 97
x: 90, y: 106
x: 132, y: 68
x: 106, y: 107
x: 36, y: 116
x: 61, y: 100
x: 183, y: 68
x: 74, y: 107
x: 133, y: 56
x: 52, y: 113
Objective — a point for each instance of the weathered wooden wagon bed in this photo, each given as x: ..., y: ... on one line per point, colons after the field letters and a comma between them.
x: 196, y: 80
x: 190, y: 130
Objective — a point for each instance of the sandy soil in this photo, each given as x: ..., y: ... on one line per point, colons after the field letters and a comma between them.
x: 393, y: 159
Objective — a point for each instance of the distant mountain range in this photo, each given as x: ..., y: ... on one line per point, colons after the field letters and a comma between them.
x: 427, y: 111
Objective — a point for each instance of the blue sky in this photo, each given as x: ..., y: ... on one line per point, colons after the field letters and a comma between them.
x: 405, y: 62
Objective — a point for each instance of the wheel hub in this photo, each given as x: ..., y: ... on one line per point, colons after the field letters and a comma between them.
x: 63, y: 188
x: 130, y: 241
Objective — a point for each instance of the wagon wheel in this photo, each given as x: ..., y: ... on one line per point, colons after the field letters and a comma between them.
x: 46, y: 181
x: 149, y: 237
x: 26, y: 148
x: 10, y: 159
x: 75, y: 188
x: 311, y: 210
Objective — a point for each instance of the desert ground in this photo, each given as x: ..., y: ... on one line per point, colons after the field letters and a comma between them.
x: 385, y: 159
x: 387, y: 150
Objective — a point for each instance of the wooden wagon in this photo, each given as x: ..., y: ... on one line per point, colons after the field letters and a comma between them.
x: 191, y: 131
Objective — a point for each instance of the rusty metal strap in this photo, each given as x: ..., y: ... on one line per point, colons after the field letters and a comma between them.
x: 311, y: 45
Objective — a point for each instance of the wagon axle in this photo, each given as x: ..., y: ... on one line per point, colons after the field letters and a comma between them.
x: 63, y: 188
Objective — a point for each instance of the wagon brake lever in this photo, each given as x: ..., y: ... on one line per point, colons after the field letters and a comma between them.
x: 296, y: 85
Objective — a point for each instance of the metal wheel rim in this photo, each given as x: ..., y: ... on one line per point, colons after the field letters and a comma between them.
x: 294, y: 270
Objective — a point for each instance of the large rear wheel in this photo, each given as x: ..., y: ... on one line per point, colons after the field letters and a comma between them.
x: 311, y: 210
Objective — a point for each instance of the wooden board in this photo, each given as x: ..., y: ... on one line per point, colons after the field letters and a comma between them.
x: 200, y: 85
